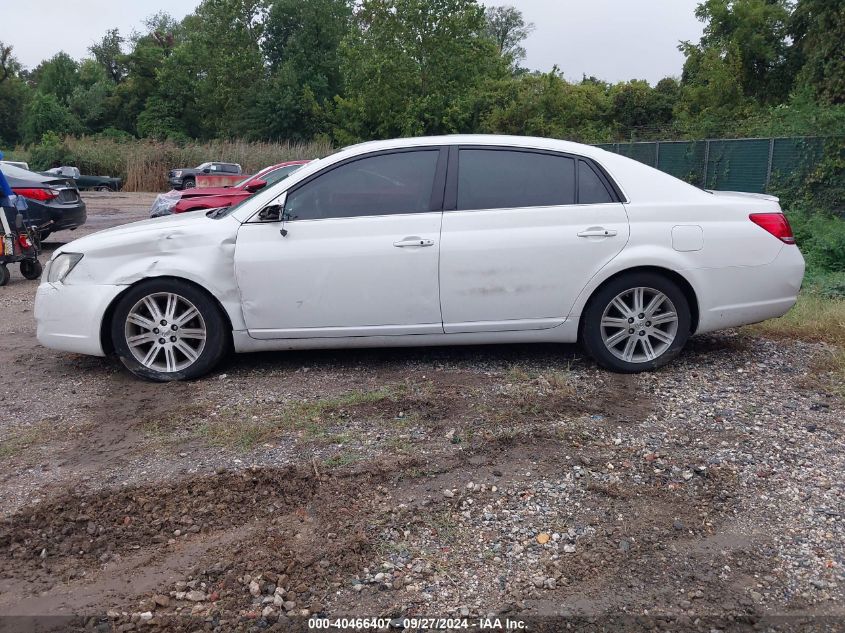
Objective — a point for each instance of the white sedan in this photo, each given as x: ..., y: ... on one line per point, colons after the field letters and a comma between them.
x: 430, y: 241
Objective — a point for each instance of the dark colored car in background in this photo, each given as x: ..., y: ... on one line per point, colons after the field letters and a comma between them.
x: 98, y: 183
x: 216, y: 197
x: 186, y: 177
x: 53, y: 201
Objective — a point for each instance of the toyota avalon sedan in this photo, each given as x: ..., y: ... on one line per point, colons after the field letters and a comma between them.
x: 429, y: 241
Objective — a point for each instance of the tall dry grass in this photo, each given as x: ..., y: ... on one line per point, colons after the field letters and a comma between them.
x: 143, y: 164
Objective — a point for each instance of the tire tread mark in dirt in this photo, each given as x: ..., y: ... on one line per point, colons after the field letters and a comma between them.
x: 127, y: 404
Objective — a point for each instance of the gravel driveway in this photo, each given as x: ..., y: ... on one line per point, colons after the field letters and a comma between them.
x: 512, y: 481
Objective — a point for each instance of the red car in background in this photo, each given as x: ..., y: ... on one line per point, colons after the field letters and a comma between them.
x: 216, y: 197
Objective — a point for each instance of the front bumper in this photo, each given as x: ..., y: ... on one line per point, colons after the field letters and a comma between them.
x: 176, y: 183
x: 70, y: 317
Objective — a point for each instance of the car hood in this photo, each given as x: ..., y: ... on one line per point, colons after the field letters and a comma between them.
x: 149, y: 231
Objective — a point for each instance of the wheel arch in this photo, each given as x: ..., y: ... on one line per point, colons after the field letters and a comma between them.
x: 682, y: 282
x: 105, y: 325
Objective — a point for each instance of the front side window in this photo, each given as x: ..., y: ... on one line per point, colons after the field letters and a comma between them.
x: 385, y: 184
x: 507, y: 179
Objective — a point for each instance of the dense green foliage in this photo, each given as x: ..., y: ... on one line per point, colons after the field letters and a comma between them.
x: 348, y: 71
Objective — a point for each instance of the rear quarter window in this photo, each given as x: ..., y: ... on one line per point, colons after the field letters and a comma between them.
x: 591, y: 187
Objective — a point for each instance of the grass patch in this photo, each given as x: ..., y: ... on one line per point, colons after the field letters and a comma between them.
x: 815, y: 318
x: 340, y: 460
x: 22, y: 440
x: 234, y: 428
x: 829, y: 365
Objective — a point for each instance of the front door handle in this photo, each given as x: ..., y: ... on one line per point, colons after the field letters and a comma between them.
x: 597, y: 231
x: 413, y: 241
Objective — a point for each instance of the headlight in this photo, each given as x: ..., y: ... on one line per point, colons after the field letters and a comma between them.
x: 177, y: 173
x: 61, y: 266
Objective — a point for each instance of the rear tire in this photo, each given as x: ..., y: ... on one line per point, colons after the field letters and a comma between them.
x: 103, y: 188
x: 5, y: 275
x: 637, y: 322
x: 31, y: 268
x: 167, y: 329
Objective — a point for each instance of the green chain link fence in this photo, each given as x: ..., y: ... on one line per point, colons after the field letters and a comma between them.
x: 751, y: 164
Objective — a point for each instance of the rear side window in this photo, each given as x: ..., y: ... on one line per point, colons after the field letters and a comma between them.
x: 591, y: 188
x: 379, y: 185
x: 505, y: 179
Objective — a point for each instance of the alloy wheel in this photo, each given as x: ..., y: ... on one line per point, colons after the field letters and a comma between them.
x: 165, y: 332
x: 639, y: 325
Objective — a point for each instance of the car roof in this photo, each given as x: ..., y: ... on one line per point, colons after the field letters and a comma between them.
x: 530, y: 142
x: 636, y: 180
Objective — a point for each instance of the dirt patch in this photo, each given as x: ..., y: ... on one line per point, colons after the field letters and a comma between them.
x: 309, y: 538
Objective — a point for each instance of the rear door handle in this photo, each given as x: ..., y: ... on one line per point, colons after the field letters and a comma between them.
x: 598, y: 231
x: 413, y: 241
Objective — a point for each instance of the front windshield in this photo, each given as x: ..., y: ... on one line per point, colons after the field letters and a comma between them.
x: 203, y: 166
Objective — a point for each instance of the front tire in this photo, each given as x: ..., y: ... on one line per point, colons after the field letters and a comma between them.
x: 636, y: 322
x: 167, y: 329
x: 189, y: 183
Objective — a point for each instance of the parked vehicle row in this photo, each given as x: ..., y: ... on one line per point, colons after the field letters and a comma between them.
x: 429, y: 241
x: 53, y: 201
x: 194, y: 199
x: 186, y: 177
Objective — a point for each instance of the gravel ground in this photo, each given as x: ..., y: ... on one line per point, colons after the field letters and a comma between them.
x: 513, y: 481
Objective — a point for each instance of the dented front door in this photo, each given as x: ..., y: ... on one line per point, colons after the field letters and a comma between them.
x: 356, y: 256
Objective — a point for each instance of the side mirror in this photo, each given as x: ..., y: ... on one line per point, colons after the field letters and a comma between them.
x: 206, y: 170
x: 256, y: 185
x: 273, y: 211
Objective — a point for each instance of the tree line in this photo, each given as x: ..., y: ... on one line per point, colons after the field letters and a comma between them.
x: 344, y: 71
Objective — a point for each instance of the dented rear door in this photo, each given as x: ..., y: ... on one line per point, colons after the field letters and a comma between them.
x: 516, y: 246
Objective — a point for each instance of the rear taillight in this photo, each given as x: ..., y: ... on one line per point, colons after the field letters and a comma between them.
x: 776, y: 224
x: 23, y: 240
x: 42, y: 195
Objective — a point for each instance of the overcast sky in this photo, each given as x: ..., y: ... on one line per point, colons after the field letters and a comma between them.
x: 614, y: 40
